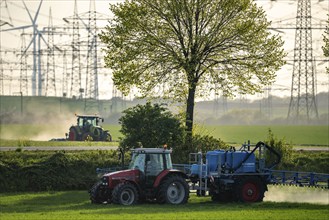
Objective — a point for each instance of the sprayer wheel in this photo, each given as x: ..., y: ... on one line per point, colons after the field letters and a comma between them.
x: 250, y: 189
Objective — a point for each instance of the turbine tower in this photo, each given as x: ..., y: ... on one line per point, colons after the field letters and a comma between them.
x: 36, y: 72
x: 302, y: 103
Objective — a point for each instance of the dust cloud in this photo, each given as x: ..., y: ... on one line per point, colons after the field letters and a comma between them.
x: 297, y: 194
x: 38, y: 126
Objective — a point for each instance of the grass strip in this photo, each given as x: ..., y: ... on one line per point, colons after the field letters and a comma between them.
x: 76, y: 205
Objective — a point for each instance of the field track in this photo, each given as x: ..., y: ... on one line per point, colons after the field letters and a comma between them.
x: 59, y: 148
x: 79, y: 148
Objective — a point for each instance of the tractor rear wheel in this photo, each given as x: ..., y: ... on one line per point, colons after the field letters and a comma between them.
x: 250, y: 189
x: 173, y: 190
x: 99, y: 194
x: 125, y: 194
x: 72, y: 134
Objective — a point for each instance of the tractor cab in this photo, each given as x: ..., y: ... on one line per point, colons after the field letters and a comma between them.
x: 86, y: 120
x: 150, y: 162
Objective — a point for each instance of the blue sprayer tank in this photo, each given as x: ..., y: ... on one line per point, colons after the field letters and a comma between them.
x: 221, y: 161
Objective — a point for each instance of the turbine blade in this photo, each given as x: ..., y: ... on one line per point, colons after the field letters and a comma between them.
x: 36, y: 14
x: 18, y: 28
x: 28, y: 11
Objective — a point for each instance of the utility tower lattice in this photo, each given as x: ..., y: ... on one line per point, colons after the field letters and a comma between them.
x: 50, y: 77
x: 76, y: 69
x: 66, y: 76
x: 302, y: 103
x: 92, y: 74
x: 91, y: 92
x: 23, y: 71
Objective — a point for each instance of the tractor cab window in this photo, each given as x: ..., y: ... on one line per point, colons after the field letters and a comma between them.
x: 86, y: 122
x: 93, y: 122
x: 168, y: 161
x: 137, y: 162
x: 154, y: 164
x: 80, y: 122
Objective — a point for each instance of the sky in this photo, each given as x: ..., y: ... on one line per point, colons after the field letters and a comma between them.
x: 13, y: 12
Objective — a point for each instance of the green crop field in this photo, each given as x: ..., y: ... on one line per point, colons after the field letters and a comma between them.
x: 297, y: 135
x: 76, y: 205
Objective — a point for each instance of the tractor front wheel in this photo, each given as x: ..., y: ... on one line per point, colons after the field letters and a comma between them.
x: 125, y: 194
x: 250, y: 189
x: 107, y: 137
x: 173, y: 190
x: 87, y: 137
x: 99, y: 194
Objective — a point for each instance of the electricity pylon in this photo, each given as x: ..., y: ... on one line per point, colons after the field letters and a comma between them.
x: 302, y: 102
x: 50, y: 74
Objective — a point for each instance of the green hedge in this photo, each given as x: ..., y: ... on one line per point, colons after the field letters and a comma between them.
x: 309, y: 162
x: 42, y: 170
x: 39, y: 171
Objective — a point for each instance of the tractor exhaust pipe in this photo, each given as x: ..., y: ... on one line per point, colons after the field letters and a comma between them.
x: 122, y: 157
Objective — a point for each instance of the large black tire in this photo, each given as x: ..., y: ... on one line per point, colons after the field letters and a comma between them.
x: 173, y: 190
x: 250, y: 189
x: 73, y: 135
x: 107, y: 137
x: 125, y: 194
x: 99, y: 194
x: 95, y: 133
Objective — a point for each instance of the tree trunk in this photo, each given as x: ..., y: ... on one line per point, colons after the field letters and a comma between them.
x: 190, y: 112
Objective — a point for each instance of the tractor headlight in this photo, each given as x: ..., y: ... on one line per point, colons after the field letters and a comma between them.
x: 104, y: 181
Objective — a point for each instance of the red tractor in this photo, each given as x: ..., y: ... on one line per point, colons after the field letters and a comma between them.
x: 149, y: 177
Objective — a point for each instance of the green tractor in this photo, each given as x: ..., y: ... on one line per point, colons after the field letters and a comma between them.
x: 88, y: 129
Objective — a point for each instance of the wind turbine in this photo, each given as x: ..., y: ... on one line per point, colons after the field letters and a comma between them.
x: 36, y: 53
x: 2, y: 22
